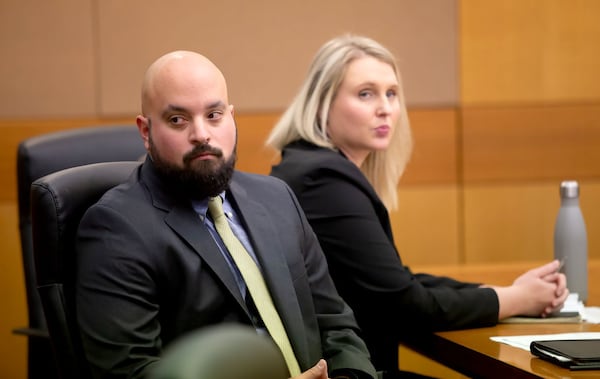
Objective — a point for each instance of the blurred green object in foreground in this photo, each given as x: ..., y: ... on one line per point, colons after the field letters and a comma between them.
x: 225, y: 351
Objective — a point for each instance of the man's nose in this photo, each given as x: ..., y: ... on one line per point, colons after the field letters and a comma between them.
x: 199, y: 132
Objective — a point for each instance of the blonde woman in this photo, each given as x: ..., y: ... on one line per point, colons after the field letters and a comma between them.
x: 345, y: 141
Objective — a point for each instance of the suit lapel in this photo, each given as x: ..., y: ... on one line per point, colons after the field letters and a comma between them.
x: 269, y: 252
x: 342, y: 165
x: 185, y: 222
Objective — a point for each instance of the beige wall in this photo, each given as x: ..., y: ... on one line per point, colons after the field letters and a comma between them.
x: 74, y: 58
x: 504, y: 100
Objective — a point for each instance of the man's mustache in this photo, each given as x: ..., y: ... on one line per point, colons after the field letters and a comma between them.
x: 202, y: 149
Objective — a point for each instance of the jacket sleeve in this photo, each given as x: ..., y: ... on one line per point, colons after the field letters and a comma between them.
x: 369, y: 273
x: 341, y: 345
x: 115, y: 296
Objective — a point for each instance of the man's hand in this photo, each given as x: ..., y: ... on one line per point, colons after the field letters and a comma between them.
x: 318, y: 371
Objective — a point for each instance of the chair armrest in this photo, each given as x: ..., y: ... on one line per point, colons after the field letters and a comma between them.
x: 31, y: 332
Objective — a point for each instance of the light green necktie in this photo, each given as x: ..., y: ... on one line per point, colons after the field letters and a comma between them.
x: 255, y: 284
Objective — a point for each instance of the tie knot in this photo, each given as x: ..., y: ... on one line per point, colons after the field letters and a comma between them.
x: 215, y: 207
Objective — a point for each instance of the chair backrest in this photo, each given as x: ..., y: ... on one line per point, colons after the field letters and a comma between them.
x: 39, y: 156
x: 58, y: 201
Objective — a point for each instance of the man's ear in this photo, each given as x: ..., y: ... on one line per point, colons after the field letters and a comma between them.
x: 143, y: 125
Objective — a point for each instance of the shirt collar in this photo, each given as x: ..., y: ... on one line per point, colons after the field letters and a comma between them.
x: 201, y: 206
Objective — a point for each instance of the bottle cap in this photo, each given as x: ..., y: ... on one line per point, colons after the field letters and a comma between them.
x: 569, y: 189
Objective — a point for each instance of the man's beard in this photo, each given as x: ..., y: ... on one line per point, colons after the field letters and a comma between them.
x: 198, y: 179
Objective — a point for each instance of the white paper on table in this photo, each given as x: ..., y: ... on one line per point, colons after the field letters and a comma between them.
x: 591, y: 315
x: 572, y: 303
x: 588, y: 314
x: 523, y: 342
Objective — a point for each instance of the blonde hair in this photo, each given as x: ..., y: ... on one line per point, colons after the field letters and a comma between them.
x: 306, y: 117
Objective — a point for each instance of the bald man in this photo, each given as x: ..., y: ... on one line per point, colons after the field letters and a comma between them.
x: 152, y: 267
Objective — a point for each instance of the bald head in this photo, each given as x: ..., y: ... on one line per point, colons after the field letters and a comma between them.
x: 187, y: 123
x: 178, y: 70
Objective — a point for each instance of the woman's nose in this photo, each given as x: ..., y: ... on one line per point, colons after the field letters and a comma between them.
x: 385, y: 105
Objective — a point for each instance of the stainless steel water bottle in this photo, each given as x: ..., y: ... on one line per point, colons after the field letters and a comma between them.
x: 570, y: 239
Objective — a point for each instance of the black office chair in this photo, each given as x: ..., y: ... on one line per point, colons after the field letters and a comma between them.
x: 42, y: 155
x: 58, y: 201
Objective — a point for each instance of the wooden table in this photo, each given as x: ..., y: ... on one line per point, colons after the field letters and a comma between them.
x: 472, y: 352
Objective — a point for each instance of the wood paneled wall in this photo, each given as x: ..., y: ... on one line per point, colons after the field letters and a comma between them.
x: 529, y: 51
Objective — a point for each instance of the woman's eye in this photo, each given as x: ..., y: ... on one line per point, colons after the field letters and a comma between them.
x: 391, y: 93
x: 364, y: 94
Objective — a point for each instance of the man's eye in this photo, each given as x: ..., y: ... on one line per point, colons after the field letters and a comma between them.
x: 215, y: 115
x: 176, y: 120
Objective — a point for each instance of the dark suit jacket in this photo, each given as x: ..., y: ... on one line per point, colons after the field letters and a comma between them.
x: 353, y: 227
x: 149, y: 271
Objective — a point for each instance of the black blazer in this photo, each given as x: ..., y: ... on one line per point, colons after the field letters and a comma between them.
x: 149, y: 271
x: 353, y: 227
